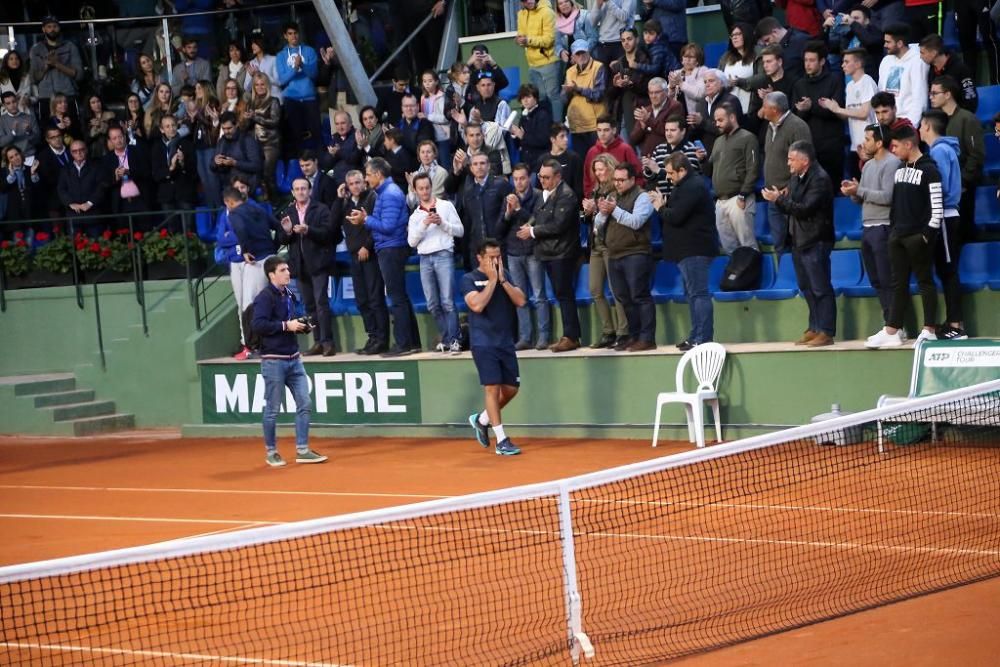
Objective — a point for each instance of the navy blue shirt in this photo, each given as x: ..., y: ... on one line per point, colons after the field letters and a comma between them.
x: 495, y: 326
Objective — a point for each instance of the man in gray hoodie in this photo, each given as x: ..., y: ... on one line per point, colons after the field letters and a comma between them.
x: 56, y: 67
x: 874, y: 193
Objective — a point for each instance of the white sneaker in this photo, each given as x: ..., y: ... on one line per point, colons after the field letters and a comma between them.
x: 925, y: 335
x: 883, y: 339
x: 441, y: 347
x: 455, y: 347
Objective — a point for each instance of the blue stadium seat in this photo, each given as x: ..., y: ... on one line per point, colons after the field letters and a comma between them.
x: 767, y: 279
x: 979, y: 266
x: 846, y: 218
x: 514, y: 77
x: 864, y: 288
x: 845, y: 269
x: 583, y: 297
x: 992, y: 165
x: 460, y: 304
x: 344, y: 303
x: 656, y: 233
x: 987, y: 207
x: 713, y: 53
x: 667, y: 284
x: 292, y: 171
x: 989, y: 102
x: 761, y: 225
x: 279, y: 172
x: 415, y: 290
x: 785, y: 284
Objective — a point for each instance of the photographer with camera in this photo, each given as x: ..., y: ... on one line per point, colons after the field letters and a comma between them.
x: 281, y: 363
x: 308, y: 231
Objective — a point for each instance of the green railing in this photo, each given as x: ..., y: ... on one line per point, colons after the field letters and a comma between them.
x: 197, y: 279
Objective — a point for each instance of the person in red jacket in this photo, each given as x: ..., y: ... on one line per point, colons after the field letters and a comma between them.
x: 609, y: 142
x: 802, y: 15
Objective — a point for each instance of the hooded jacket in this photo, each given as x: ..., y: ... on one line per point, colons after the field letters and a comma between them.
x: 945, y: 153
x: 539, y: 26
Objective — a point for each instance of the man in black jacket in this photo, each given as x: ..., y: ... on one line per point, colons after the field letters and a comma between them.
x: 174, y: 168
x: 126, y: 169
x: 401, y: 161
x: 532, y: 131
x: 342, y: 154
x: 236, y: 152
x: 859, y: 27
x: 483, y: 204
x: 307, y: 230
x: 280, y: 362
x: 82, y: 187
x: 413, y: 129
x: 322, y: 188
x: 826, y: 127
x: 792, y: 43
x: 689, y: 239
x: 366, y: 277
x: 556, y: 231
x: 52, y: 159
x: 809, y: 207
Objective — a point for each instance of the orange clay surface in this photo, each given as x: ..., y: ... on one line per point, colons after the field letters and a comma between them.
x: 68, y: 497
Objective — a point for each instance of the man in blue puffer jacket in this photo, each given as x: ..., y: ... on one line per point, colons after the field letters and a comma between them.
x: 388, y: 224
x: 944, y: 150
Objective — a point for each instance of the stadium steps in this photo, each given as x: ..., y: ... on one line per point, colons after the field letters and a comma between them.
x: 52, y: 404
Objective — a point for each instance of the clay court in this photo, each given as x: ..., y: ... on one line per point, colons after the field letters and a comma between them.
x: 68, y: 497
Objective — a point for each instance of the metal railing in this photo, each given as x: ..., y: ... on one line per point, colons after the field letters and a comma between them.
x: 149, y: 223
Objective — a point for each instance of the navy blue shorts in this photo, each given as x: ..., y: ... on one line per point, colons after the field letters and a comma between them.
x: 497, y: 365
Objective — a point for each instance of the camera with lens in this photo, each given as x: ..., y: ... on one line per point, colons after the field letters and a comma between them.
x: 308, y: 321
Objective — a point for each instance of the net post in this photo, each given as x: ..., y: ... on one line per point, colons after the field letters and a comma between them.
x: 574, y: 604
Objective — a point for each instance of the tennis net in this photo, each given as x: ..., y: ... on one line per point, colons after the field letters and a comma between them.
x: 626, y: 566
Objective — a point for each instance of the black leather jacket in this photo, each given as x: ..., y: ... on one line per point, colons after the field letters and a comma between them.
x: 809, y: 207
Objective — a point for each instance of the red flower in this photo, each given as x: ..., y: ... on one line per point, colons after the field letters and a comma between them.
x: 95, y: 247
x: 137, y: 236
x: 122, y: 232
x: 21, y: 243
x: 106, y: 252
x: 4, y: 245
x: 171, y: 252
x: 42, y: 236
x: 18, y: 235
x: 164, y: 233
x: 106, y: 235
x: 190, y: 235
x: 80, y: 244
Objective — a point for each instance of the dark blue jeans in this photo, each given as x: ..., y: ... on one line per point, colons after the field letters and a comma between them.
x: 631, y: 279
x: 562, y: 273
x: 392, y: 263
x: 694, y: 273
x: 875, y: 255
x: 278, y: 374
x: 812, y: 271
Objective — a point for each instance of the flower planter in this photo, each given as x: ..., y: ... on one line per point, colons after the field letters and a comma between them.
x: 169, y: 270
x: 105, y: 276
x: 39, y: 278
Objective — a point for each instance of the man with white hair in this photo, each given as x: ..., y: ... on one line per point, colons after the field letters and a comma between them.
x: 783, y: 129
x: 702, y: 121
x: 648, y: 133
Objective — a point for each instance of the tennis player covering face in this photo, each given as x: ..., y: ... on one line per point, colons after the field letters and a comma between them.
x: 493, y: 301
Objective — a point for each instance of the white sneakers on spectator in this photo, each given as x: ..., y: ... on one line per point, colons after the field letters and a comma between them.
x: 883, y: 340
x: 925, y: 335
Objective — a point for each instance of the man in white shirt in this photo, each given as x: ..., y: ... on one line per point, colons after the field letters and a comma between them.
x: 903, y: 74
x: 432, y: 230
x: 857, y: 107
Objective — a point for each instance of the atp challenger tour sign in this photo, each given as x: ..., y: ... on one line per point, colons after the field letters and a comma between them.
x: 342, y: 393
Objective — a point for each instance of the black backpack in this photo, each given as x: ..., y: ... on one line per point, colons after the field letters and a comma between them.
x: 251, y: 337
x: 743, y: 270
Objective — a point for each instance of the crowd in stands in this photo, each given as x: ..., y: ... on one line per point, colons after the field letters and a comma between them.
x: 623, y: 135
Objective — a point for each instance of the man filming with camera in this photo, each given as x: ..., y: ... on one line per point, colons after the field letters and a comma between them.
x: 280, y: 361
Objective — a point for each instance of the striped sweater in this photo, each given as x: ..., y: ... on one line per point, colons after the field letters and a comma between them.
x: 916, y: 198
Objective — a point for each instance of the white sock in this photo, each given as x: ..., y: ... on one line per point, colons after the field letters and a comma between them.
x: 484, y: 418
x: 498, y: 431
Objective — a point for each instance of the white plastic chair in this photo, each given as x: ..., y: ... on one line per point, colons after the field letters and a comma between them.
x: 706, y: 361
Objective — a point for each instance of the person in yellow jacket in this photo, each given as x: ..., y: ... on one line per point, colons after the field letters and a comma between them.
x: 584, y: 91
x: 536, y: 34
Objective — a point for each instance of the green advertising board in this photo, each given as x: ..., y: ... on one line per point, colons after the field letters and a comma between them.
x: 342, y: 393
x: 945, y: 365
